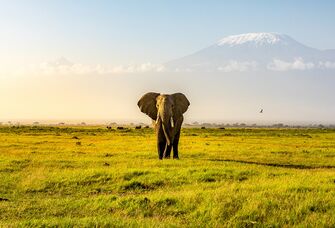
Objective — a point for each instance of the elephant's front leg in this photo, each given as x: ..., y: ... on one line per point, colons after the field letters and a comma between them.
x: 175, y: 145
x: 161, y: 142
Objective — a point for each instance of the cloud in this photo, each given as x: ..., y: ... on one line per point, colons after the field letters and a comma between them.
x: 64, y: 67
x: 238, y: 66
x: 296, y: 64
x: 327, y: 65
x: 299, y: 64
x: 145, y: 67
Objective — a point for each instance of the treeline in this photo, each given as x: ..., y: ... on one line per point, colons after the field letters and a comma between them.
x: 186, y: 125
x: 244, y: 125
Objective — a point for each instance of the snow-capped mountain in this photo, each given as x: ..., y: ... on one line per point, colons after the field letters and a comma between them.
x: 255, y: 51
x: 256, y: 39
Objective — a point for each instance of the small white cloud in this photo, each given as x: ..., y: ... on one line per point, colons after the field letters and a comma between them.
x: 64, y: 67
x: 327, y: 65
x: 238, y: 66
x: 145, y: 67
x: 296, y: 64
x: 182, y: 70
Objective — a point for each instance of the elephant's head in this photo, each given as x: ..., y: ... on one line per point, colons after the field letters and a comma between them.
x: 165, y: 108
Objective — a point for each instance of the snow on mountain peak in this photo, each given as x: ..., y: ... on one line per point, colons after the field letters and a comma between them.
x: 258, y: 39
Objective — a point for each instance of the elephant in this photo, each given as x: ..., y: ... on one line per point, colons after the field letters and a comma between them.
x: 166, y: 111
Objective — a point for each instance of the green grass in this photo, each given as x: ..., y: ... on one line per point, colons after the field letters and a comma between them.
x: 89, y: 176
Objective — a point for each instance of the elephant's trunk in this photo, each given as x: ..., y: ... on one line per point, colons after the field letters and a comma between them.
x: 167, y: 124
x: 166, y: 133
x: 165, y: 113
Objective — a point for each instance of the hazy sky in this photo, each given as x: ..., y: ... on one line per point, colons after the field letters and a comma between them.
x: 99, y: 37
x: 131, y: 31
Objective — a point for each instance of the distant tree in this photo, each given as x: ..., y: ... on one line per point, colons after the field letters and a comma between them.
x: 278, y: 125
x: 206, y: 124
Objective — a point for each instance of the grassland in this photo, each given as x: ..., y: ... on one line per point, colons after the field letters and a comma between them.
x: 91, y: 176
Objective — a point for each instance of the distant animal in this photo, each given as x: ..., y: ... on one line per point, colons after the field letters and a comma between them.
x: 120, y: 128
x: 138, y: 127
x: 203, y: 127
x: 261, y: 111
x: 167, y: 113
x: 109, y: 127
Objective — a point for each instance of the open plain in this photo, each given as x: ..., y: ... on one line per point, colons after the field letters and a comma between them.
x: 93, y: 176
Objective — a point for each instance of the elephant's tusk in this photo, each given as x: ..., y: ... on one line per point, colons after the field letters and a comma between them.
x: 172, y: 122
x: 157, y: 119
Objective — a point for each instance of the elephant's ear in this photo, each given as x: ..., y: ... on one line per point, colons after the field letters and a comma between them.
x: 147, y: 104
x: 180, y: 103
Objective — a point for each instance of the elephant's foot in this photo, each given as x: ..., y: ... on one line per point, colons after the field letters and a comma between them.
x: 167, y: 153
x: 166, y: 156
x: 176, y: 157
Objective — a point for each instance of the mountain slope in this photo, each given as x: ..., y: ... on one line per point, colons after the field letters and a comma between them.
x: 252, y: 51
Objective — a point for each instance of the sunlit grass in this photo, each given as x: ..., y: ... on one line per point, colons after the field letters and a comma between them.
x: 91, y: 176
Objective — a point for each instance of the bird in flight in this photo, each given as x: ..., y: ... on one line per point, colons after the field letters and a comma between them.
x: 261, y: 111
